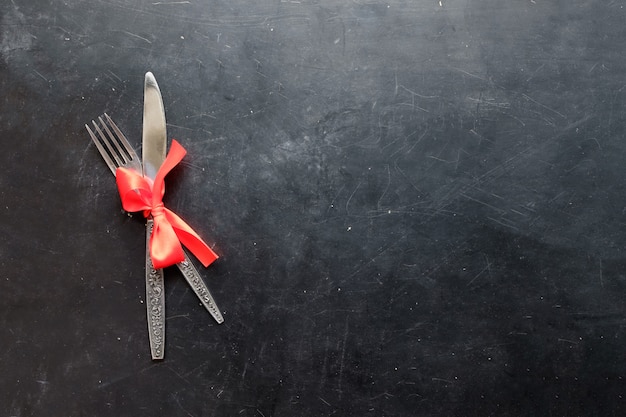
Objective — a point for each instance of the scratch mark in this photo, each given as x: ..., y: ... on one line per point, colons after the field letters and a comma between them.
x: 393, y: 142
x: 182, y: 408
x: 503, y: 105
x: 468, y: 73
x: 415, y: 93
x: 115, y: 75
x: 380, y: 252
x: 178, y: 126
x: 384, y: 394
x: 517, y: 119
x: 352, y: 195
x: 481, y: 202
x: 414, y: 107
x: 503, y: 224
x: 42, y: 77
x: 543, y: 105
x: 324, y: 401
x: 186, y: 316
x: 441, y: 380
x: 245, y: 370
x: 136, y: 36
x: 202, y: 115
x: 498, y: 170
x: 408, y: 180
x: 386, y: 188
x: 486, y: 268
x: 597, y: 143
x: 196, y: 368
x: 479, y: 136
x: 601, y: 279
x: 559, y: 195
x: 535, y: 72
x: 343, y: 356
x: 408, y: 151
x: 182, y: 377
x: 450, y: 194
x: 518, y: 212
x: 113, y: 381
x: 170, y: 2
x: 437, y: 159
x: 458, y: 157
x: 396, y: 78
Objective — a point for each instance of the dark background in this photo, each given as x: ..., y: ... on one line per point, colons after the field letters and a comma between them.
x: 419, y: 207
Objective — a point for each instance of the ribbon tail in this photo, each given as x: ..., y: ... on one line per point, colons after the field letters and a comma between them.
x: 190, y: 239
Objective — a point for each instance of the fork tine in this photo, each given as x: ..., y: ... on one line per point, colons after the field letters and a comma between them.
x: 112, y: 165
x: 129, y: 149
x: 103, y: 139
x: 115, y: 141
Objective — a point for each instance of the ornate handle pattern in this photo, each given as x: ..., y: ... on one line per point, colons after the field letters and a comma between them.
x: 199, y: 287
x: 155, y: 301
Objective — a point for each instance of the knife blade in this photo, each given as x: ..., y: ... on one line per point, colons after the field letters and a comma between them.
x: 154, y: 144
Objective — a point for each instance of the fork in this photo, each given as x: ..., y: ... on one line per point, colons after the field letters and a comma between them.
x: 117, y: 152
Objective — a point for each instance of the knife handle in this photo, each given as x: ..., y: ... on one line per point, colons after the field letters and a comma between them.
x: 155, y: 301
x: 199, y: 287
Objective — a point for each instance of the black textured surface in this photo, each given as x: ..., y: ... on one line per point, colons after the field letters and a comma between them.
x: 419, y: 207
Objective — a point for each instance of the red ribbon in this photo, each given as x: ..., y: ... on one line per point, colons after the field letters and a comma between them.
x: 139, y: 193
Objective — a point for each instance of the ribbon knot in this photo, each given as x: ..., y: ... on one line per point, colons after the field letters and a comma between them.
x: 157, y: 210
x: 170, y: 232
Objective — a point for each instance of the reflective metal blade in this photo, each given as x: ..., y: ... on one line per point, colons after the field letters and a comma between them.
x: 154, y: 135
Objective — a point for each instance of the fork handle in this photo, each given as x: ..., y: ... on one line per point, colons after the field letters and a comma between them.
x: 199, y: 287
x: 155, y: 301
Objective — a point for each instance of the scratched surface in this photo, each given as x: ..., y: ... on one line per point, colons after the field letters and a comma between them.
x: 419, y: 207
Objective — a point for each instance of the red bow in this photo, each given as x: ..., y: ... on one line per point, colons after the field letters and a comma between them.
x: 138, y: 193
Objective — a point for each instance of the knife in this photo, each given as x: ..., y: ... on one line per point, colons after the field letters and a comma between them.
x: 153, y: 155
x: 154, y: 143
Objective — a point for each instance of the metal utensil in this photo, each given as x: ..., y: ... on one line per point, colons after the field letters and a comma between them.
x: 154, y: 148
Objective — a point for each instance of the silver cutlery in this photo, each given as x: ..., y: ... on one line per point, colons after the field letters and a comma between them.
x: 117, y: 152
x: 154, y: 149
